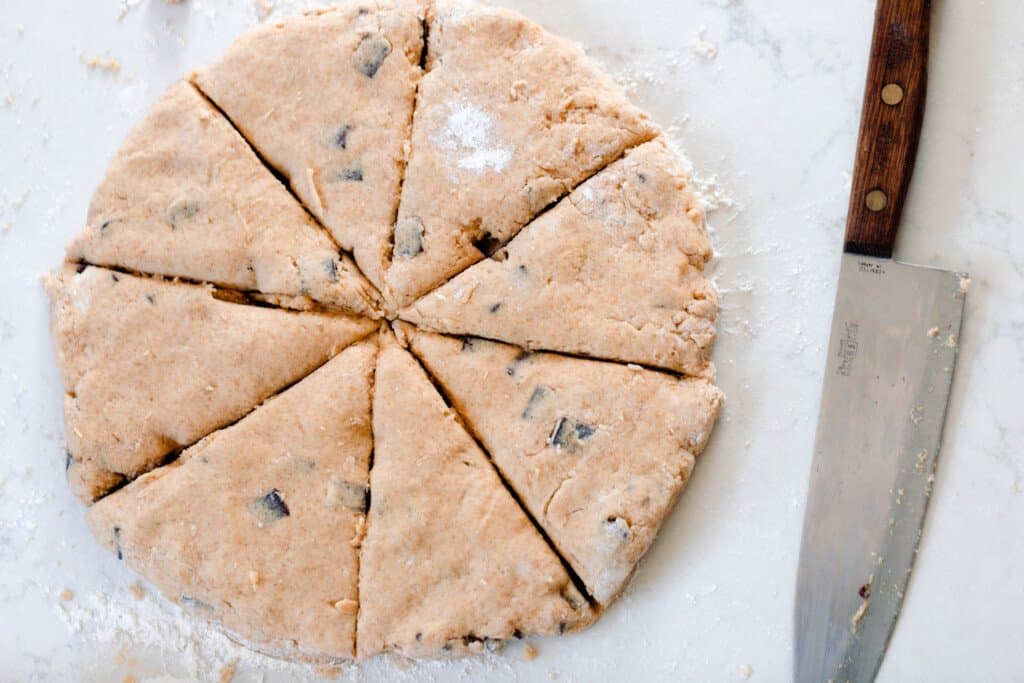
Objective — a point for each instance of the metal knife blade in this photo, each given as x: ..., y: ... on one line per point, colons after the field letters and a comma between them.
x: 891, y: 355
x: 887, y: 381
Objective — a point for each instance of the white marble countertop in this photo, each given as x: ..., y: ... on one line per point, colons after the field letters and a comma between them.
x: 767, y: 106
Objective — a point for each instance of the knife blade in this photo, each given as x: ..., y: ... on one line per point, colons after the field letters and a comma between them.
x: 891, y: 354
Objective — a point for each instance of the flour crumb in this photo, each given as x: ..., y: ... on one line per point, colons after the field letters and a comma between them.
x: 468, y: 133
x: 108, y: 64
x: 20, y: 28
x: 965, y: 284
x: 858, y: 616
x: 702, y: 46
x: 951, y: 342
x: 529, y: 652
x: 746, y: 671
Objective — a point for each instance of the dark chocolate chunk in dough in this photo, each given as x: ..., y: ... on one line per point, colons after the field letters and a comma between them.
x: 540, y: 393
x: 569, y: 434
x: 181, y: 210
x: 408, y: 237
x: 269, y: 507
x: 370, y: 54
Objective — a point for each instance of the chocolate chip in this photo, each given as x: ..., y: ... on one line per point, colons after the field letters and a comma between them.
x: 569, y: 434
x: 517, y: 634
x: 642, y: 177
x: 195, y: 603
x: 419, y: 637
x: 865, y: 591
x: 104, y: 225
x: 117, y: 542
x: 540, y: 393
x: 495, y: 308
x: 331, y: 266
x: 522, y: 269
x: 340, y: 139
x: 181, y: 210
x: 471, y: 343
x: 354, y: 174
x: 346, y: 494
x: 562, y: 626
x: 114, y: 277
x: 520, y: 358
x: 151, y: 298
x: 408, y: 237
x: 616, y: 526
x: 80, y: 268
x: 269, y: 507
x: 447, y: 647
x: 67, y: 460
x: 370, y: 54
x: 487, y: 244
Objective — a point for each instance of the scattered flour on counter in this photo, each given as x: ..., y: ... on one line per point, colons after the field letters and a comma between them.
x: 128, y: 623
x: 468, y: 133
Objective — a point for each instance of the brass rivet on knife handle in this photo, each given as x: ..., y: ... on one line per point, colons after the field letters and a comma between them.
x: 892, y: 94
x: 890, y: 125
x: 876, y: 200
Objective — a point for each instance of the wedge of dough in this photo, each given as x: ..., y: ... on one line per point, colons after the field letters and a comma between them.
x: 151, y: 366
x: 598, y: 452
x: 327, y: 99
x: 185, y: 196
x: 614, y: 271
x: 450, y: 564
x: 257, y: 526
x: 509, y: 118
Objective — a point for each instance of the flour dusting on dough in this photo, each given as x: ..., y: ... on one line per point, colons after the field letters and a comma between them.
x: 468, y: 132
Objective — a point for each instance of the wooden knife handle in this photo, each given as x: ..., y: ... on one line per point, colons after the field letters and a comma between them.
x: 890, y: 125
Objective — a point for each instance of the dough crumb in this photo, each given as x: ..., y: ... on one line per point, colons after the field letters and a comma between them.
x: 702, y: 46
x: 858, y: 616
x: 67, y: 595
x: 746, y: 671
x: 108, y: 64
x: 254, y: 579
x: 951, y: 342
x: 965, y: 284
x: 347, y: 606
x: 933, y: 332
x: 227, y: 672
x: 138, y: 592
x: 129, y: 678
x: 529, y: 652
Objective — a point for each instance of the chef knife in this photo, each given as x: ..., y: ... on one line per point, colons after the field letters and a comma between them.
x: 887, y: 379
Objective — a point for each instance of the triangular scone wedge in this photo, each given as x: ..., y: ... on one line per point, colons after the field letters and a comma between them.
x: 327, y: 99
x: 257, y: 526
x: 614, y: 271
x: 185, y: 196
x: 151, y: 366
x: 509, y: 118
x: 482, y: 573
x: 598, y: 452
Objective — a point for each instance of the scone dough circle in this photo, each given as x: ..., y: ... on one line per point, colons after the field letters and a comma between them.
x: 388, y: 332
